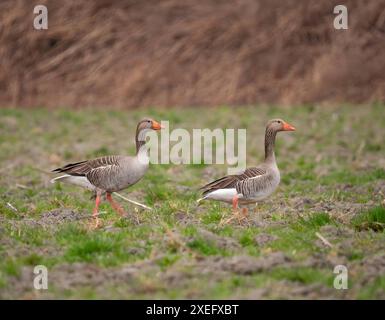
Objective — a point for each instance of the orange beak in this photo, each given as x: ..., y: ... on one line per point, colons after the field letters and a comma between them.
x: 288, y: 127
x: 156, y: 125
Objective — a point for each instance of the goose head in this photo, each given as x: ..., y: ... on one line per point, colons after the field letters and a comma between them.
x: 144, y: 126
x: 279, y: 125
x: 148, y: 124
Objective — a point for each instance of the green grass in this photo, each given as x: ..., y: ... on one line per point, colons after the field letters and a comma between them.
x: 302, y: 275
x: 315, y: 220
x: 374, y: 290
x: 373, y: 218
x: 327, y: 186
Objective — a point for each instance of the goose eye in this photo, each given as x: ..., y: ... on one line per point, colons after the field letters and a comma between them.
x: 279, y: 121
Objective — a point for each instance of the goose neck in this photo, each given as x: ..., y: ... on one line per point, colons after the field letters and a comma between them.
x: 270, y: 135
x: 140, y: 141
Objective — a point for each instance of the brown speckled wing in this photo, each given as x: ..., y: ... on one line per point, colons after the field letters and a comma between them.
x: 82, y: 168
x: 231, y: 181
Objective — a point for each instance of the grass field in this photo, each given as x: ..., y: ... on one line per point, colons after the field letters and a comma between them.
x: 333, y: 186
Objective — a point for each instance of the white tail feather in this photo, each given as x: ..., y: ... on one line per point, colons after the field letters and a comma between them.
x: 58, y: 178
x: 76, y: 180
x: 200, y: 200
x: 225, y: 195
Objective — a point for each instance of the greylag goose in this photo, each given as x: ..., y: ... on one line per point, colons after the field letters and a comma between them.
x: 109, y: 174
x: 253, y: 184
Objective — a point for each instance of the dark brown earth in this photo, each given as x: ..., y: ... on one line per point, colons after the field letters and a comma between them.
x: 162, y: 53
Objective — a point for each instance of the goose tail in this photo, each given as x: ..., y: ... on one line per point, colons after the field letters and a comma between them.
x: 80, y: 181
x: 63, y: 177
x: 199, y: 201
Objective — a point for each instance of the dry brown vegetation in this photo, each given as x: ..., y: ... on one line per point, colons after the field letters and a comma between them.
x: 140, y: 53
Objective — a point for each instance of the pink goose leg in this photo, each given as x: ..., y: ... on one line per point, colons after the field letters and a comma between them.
x: 118, y: 208
x: 95, y: 213
x: 235, y: 203
x: 245, y: 212
x: 235, y: 211
x: 115, y: 205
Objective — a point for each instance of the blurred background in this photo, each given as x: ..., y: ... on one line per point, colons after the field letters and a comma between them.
x: 129, y: 53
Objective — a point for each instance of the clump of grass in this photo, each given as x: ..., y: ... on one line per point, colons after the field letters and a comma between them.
x: 32, y: 259
x: 303, y: 275
x: 212, y: 217
x: 317, y: 220
x: 105, y: 249
x: 7, y: 211
x: 89, y: 250
x: 11, y: 267
x: 156, y: 193
x: 373, y: 219
x: 374, y: 290
x: 247, y: 239
x: 29, y: 235
x: 167, y: 261
x: 204, y: 247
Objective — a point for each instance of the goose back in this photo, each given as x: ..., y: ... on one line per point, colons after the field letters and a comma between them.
x: 109, y: 173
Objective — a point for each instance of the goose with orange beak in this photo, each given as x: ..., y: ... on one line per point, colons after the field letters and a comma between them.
x: 253, y: 184
x: 109, y: 174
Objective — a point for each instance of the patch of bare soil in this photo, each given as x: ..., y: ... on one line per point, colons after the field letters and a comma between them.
x: 49, y: 220
x: 343, y: 211
x: 71, y: 276
x: 334, y: 232
x: 324, y: 260
x: 217, y: 268
x: 226, y: 243
x: 263, y: 239
x: 59, y: 216
x: 183, y: 218
x: 346, y: 242
x: 246, y: 265
x: 292, y: 290
x: 372, y: 267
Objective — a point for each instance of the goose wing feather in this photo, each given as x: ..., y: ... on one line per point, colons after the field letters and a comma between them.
x: 83, y: 168
x: 231, y: 181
